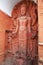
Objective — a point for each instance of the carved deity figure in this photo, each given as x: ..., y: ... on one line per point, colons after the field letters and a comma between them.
x: 23, y: 26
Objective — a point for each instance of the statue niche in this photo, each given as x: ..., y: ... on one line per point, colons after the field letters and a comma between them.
x: 26, y: 32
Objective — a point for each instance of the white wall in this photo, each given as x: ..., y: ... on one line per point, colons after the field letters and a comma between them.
x: 7, y: 5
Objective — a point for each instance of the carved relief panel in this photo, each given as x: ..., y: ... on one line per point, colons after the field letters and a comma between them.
x: 25, y: 33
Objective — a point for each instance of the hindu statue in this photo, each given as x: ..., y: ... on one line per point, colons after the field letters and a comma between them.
x: 23, y: 25
x: 27, y: 36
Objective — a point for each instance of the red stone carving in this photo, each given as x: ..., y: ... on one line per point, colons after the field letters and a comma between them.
x: 25, y: 31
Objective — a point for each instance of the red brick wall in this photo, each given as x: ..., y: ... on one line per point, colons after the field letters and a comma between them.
x: 4, y: 25
x: 40, y: 20
x: 40, y: 51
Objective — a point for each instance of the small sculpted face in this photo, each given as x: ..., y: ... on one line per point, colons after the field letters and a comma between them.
x: 23, y: 9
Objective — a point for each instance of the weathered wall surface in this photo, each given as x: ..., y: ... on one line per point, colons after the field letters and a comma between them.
x: 4, y: 25
x: 40, y: 20
x: 40, y: 51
